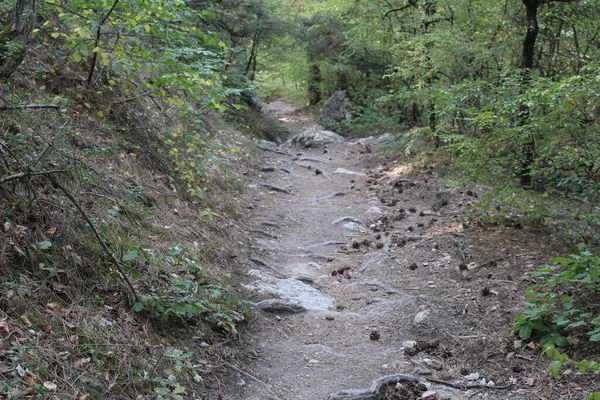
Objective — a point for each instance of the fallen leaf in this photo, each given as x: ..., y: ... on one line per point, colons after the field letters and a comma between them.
x: 52, y: 231
x: 26, y: 321
x: 53, y: 307
x: 81, y: 362
x: 30, y: 380
x: 4, y: 327
x: 48, y: 329
x: 50, y: 386
x: 530, y: 381
x: 21, y: 231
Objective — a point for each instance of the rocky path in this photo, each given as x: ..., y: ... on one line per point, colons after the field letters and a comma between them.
x: 367, y: 280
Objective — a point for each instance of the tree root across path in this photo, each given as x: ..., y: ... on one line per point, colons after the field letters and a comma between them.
x: 468, y: 386
x: 377, y: 389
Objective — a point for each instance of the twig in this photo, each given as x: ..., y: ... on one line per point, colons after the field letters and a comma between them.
x: 97, y: 234
x: 264, y: 233
x: 255, y: 379
x: 274, y: 150
x: 134, y: 97
x: 275, y: 188
x: 462, y: 386
x: 329, y: 243
x: 28, y: 174
x: 264, y: 264
x: 22, y: 106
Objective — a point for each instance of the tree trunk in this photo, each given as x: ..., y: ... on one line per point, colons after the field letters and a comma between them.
x: 12, y: 49
x: 251, y: 65
x: 528, y: 148
x: 314, y: 84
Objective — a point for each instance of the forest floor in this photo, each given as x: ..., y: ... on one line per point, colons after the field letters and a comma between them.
x: 386, y: 282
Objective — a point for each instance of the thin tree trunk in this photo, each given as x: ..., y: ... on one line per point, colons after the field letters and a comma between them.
x: 528, y: 148
x: 314, y: 84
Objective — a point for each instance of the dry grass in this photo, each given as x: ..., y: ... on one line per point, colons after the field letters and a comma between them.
x: 66, y: 321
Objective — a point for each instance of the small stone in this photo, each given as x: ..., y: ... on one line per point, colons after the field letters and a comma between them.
x: 329, y: 318
x: 374, y: 211
x: 433, y: 364
x: 409, y: 344
x: 421, y: 317
x: 353, y: 226
x: 472, y: 377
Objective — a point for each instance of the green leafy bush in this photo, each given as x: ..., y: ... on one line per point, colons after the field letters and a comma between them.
x: 182, y: 296
x: 564, y: 302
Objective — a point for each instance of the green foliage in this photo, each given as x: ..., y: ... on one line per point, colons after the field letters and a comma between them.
x: 181, y: 364
x: 563, y: 302
x: 182, y: 296
x: 561, y: 360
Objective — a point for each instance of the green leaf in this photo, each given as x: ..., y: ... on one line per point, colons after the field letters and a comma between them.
x: 525, y: 332
x: 164, y: 391
x: 175, y: 251
x: 138, y: 307
x: 44, y: 245
x: 179, y: 389
x: 130, y: 255
x: 595, y: 338
x: 554, y: 367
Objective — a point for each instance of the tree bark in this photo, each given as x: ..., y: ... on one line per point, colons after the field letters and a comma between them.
x: 12, y: 48
x: 314, y: 84
x: 533, y: 29
x: 528, y: 148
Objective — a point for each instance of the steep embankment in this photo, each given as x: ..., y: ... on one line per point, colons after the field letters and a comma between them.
x: 372, y: 277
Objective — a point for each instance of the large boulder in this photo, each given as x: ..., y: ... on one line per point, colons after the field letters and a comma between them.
x: 336, y: 109
x: 313, y: 138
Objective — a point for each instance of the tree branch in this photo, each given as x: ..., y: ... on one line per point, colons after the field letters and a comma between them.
x: 97, y: 42
x: 23, y: 106
x: 112, y: 257
x: 28, y: 174
x: 411, y: 3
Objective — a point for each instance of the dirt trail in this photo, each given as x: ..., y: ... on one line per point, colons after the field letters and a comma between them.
x: 380, y: 259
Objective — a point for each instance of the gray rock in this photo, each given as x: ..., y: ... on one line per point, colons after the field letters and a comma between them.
x: 281, y: 305
x: 347, y: 219
x: 313, y: 138
x: 336, y: 109
x: 374, y: 211
x: 422, y: 317
x: 353, y: 226
x: 292, y: 289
